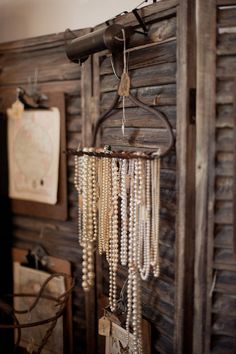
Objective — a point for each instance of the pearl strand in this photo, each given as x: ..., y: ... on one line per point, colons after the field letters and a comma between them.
x: 78, y: 185
x: 145, y: 237
x: 130, y: 248
x: 123, y: 250
x: 155, y: 216
x: 136, y: 323
x: 114, y: 251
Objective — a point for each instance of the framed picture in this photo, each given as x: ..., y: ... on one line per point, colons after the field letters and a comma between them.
x: 59, y: 210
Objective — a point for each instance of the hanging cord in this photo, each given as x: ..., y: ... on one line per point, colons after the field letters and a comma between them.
x: 125, y: 71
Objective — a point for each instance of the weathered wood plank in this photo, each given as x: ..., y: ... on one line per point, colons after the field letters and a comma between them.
x: 224, y: 304
x: 223, y: 236
x: 158, y: 32
x: 222, y: 344
x: 224, y: 116
x: 224, y: 140
x: 147, y: 56
x: 223, y: 212
x: 162, y: 343
x: 224, y: 188
x: 144, y: 137
x: 234, y: 169
x: 224, y: 256
x: 73, y: 105
x: 224, y: 266
x: 136, y: 117
x: 73, y: 123
x: 205, y: 118
x: 51, y: 66
x: 152, y: 95
x: 224, y: 164
x: 54, y: 245
x: 185, y: 145
x: 226, y: 44
x: 226, y: 17
x: 70, y: 87
x: 226, y: 278
x: 153, y: 75
x: 226, y: 66
x: 152, y: 13
x: 41, y: 226
x: 39, y: 43
x: 225, y: 2
x: 223, y: 325
x: 224, y: 91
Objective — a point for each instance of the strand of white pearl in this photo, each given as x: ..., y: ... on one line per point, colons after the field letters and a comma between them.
x: 124, y: 245
x: 78, y: 183
x: 136, y: 305
x: 115, y: 241
x: 156, y: 216
x: 94, y: 197
x: 144, y: 215
x: 145, y: 271
x: 130, y: 248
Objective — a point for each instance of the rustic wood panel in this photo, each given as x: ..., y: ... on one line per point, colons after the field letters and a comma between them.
x: 153, y: 79
x: 223, y: 299
x: 186, y: 140
x: 226, y: 16
x: 59, y: 238
x: 205, y: 118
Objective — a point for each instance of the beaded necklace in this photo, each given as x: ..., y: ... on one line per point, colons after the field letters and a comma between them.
x: 126, y: 192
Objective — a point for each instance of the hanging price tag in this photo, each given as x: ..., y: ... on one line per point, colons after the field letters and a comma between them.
x: 16, y: 111
x: 104, y: 326
x: 124, y: 85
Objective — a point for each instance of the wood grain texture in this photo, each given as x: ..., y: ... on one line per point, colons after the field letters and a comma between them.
x: 226, y: 16
x: 234, y: 177
x: 223, y: 306
x: 86, y: 97
x: 185, y: 177
x: 149, y: 67
x: 205, y: 116
x: 58, y: 237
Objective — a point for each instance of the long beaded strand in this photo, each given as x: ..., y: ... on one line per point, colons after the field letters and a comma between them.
x: 123, y: 187
x: 155, y: 216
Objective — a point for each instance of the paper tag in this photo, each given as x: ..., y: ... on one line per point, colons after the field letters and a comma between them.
x: 124, y: 85
x: 104, y: 326
x: 16, y: 111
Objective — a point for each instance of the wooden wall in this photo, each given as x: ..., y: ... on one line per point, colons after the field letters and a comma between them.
x: 18, y: 61
x: 153, y: 65
x: 224, y: 260
x: 153, y: 77
x: 215, y: 262
x: 152, y: 68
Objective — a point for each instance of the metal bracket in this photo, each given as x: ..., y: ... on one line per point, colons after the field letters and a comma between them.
x: 141, y: 22
x: 192, y: 105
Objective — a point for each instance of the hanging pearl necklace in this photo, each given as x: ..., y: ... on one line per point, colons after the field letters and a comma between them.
x: 114, y: 251
x: 123, y: 187
x: 155, y: 172
x: 125, y: 192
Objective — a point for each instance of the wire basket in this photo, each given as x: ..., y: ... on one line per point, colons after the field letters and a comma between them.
x: 58, y: 303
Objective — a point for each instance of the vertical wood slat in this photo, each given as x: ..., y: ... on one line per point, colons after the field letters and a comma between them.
x: 90, y: 297
x: 94, y: 117
x: 205, y: 123
x: 186, y: 181
x: 234, y: 171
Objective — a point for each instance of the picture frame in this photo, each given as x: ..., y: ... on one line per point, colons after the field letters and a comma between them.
x: 59, y: 211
